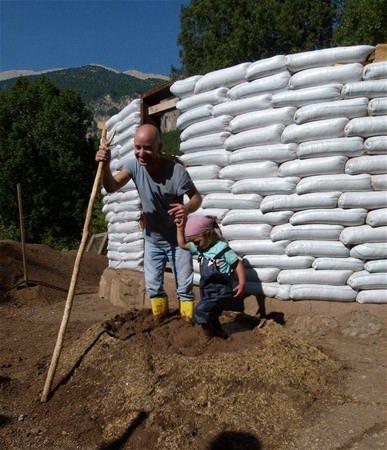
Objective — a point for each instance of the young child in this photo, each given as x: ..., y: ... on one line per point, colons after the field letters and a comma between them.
x: 218, y: 264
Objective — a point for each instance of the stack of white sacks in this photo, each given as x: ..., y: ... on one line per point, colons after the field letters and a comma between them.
x: 290, y: 155
x: 122, y: 208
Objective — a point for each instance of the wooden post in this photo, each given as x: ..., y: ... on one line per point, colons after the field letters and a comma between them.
x: 22, y: 235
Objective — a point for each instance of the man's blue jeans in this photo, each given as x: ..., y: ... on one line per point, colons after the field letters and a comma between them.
x: 155, y: 258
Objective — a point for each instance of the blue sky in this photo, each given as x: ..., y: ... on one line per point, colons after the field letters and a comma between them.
x: 123, y: 34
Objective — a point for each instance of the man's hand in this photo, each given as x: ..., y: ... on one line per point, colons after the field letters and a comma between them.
x: 239, y: 290
x: 103, y: 153
x: 177, y: 210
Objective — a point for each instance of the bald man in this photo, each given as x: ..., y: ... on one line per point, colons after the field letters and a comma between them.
x: 161, y: 183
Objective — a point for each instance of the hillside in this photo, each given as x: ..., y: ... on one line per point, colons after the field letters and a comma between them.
x: 104, y: 90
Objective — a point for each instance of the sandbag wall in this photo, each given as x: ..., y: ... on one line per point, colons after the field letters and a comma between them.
x: 122, y: 208
x: 289, y: 154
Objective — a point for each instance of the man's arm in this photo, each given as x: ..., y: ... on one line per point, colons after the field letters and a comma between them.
x: 110, y: 183
x: 180, y: 211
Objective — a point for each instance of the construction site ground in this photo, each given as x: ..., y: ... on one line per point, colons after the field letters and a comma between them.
x: 297, y: 380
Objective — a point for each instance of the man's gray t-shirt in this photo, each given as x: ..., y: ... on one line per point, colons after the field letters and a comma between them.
x: 156, y: 195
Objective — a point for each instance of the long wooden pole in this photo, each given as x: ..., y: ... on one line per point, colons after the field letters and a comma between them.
x: 22, y: 233
x: 74, y: 277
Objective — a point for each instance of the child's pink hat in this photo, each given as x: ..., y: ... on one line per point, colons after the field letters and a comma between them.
x: 199, y: 224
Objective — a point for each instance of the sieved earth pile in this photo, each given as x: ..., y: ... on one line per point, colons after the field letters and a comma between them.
x: 142, y: 386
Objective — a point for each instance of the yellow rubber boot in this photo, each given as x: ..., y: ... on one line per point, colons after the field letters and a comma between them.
x: 187, y: 310
x: 159, y: 307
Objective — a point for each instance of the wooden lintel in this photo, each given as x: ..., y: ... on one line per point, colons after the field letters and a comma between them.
x: 380, y: 53
x: 162, y: 106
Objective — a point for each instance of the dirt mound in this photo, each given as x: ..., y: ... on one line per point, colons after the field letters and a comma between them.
x: 137, y: 385
x: 48, y: 268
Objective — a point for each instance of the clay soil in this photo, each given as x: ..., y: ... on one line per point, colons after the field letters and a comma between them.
x: 123, y: 382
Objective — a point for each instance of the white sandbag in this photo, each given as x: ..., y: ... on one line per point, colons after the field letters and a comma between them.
x: 377, y: 106
x: 194, y: 115
x: 372, y: 296
x: 117, y: 237
x: 379, y: 182
x: 259, y: 136
x: 243, y: 216
x: 283, y: 292
x: 258, y: 247
x: 375, y: 71
x: 274, y: 152
x: 318, y: 292
x: 223, y: 77
x: 114, y: 197
x: 206, y: 127
x: 126, y: 216
x: 208, y: 186
x: 366, y: 280
x: 133, y: 119
x: 321, y: 129
x: 356, y: 107
x: 307, y: 96
x: 121, y: 207
x: 318, y: 249
x: 311, y: 276
x: 363, y: 234
x: 370, y: 89
x: 218, y: 213
x: 211, y: 97
x: 326, y: 75
x: 266, y: 186
x: 235, y: 107
x: 133, y: 106
x: 259, y: 119
x: 267, y: 289
x: 341, y: 182
x: 266, y: 67
x: 127, y: 134
x: 125, y: 256
x: 253, y: 170
x: 203, y: 172
x: 126, y: 227
x: 328, y: 57
x: 377, y: 218
x: 352, y: 264
x: 130, y: 247
x: 111, y: 122
x: 329, y: 147
x: 367, y: 126
x: 313, y: 166
x: 264, y: 274
x: 206, y: 142
x: 232, y: 201
x: 373, y: 165
x: 296, y: 202
x: 204, y: 158
x: 280, y: 261
x: 183, y: 88
x: 265, y: 85
x: 127, y: 148
x: 306, y: 232
x: 131, y: 265
x: 246, y: 231
x: 369, y: 200
x: 131, y: 237
x: 377, y: 266
x: 370, y: 251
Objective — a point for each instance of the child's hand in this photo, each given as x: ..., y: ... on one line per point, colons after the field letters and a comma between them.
x: 180, y: 224
x: 239, y: 290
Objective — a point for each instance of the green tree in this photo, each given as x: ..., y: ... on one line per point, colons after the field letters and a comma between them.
x: 361, y: 22
x: 43, y: 146
x: 220, y: 33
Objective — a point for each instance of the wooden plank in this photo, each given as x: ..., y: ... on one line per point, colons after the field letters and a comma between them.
x: 380, y: 53
x: 162, y: 106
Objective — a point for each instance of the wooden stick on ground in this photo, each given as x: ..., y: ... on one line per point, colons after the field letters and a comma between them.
x: 22, y: 235
x: 74, y: 277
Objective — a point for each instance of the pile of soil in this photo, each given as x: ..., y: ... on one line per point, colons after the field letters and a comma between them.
x: 127, y: 382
